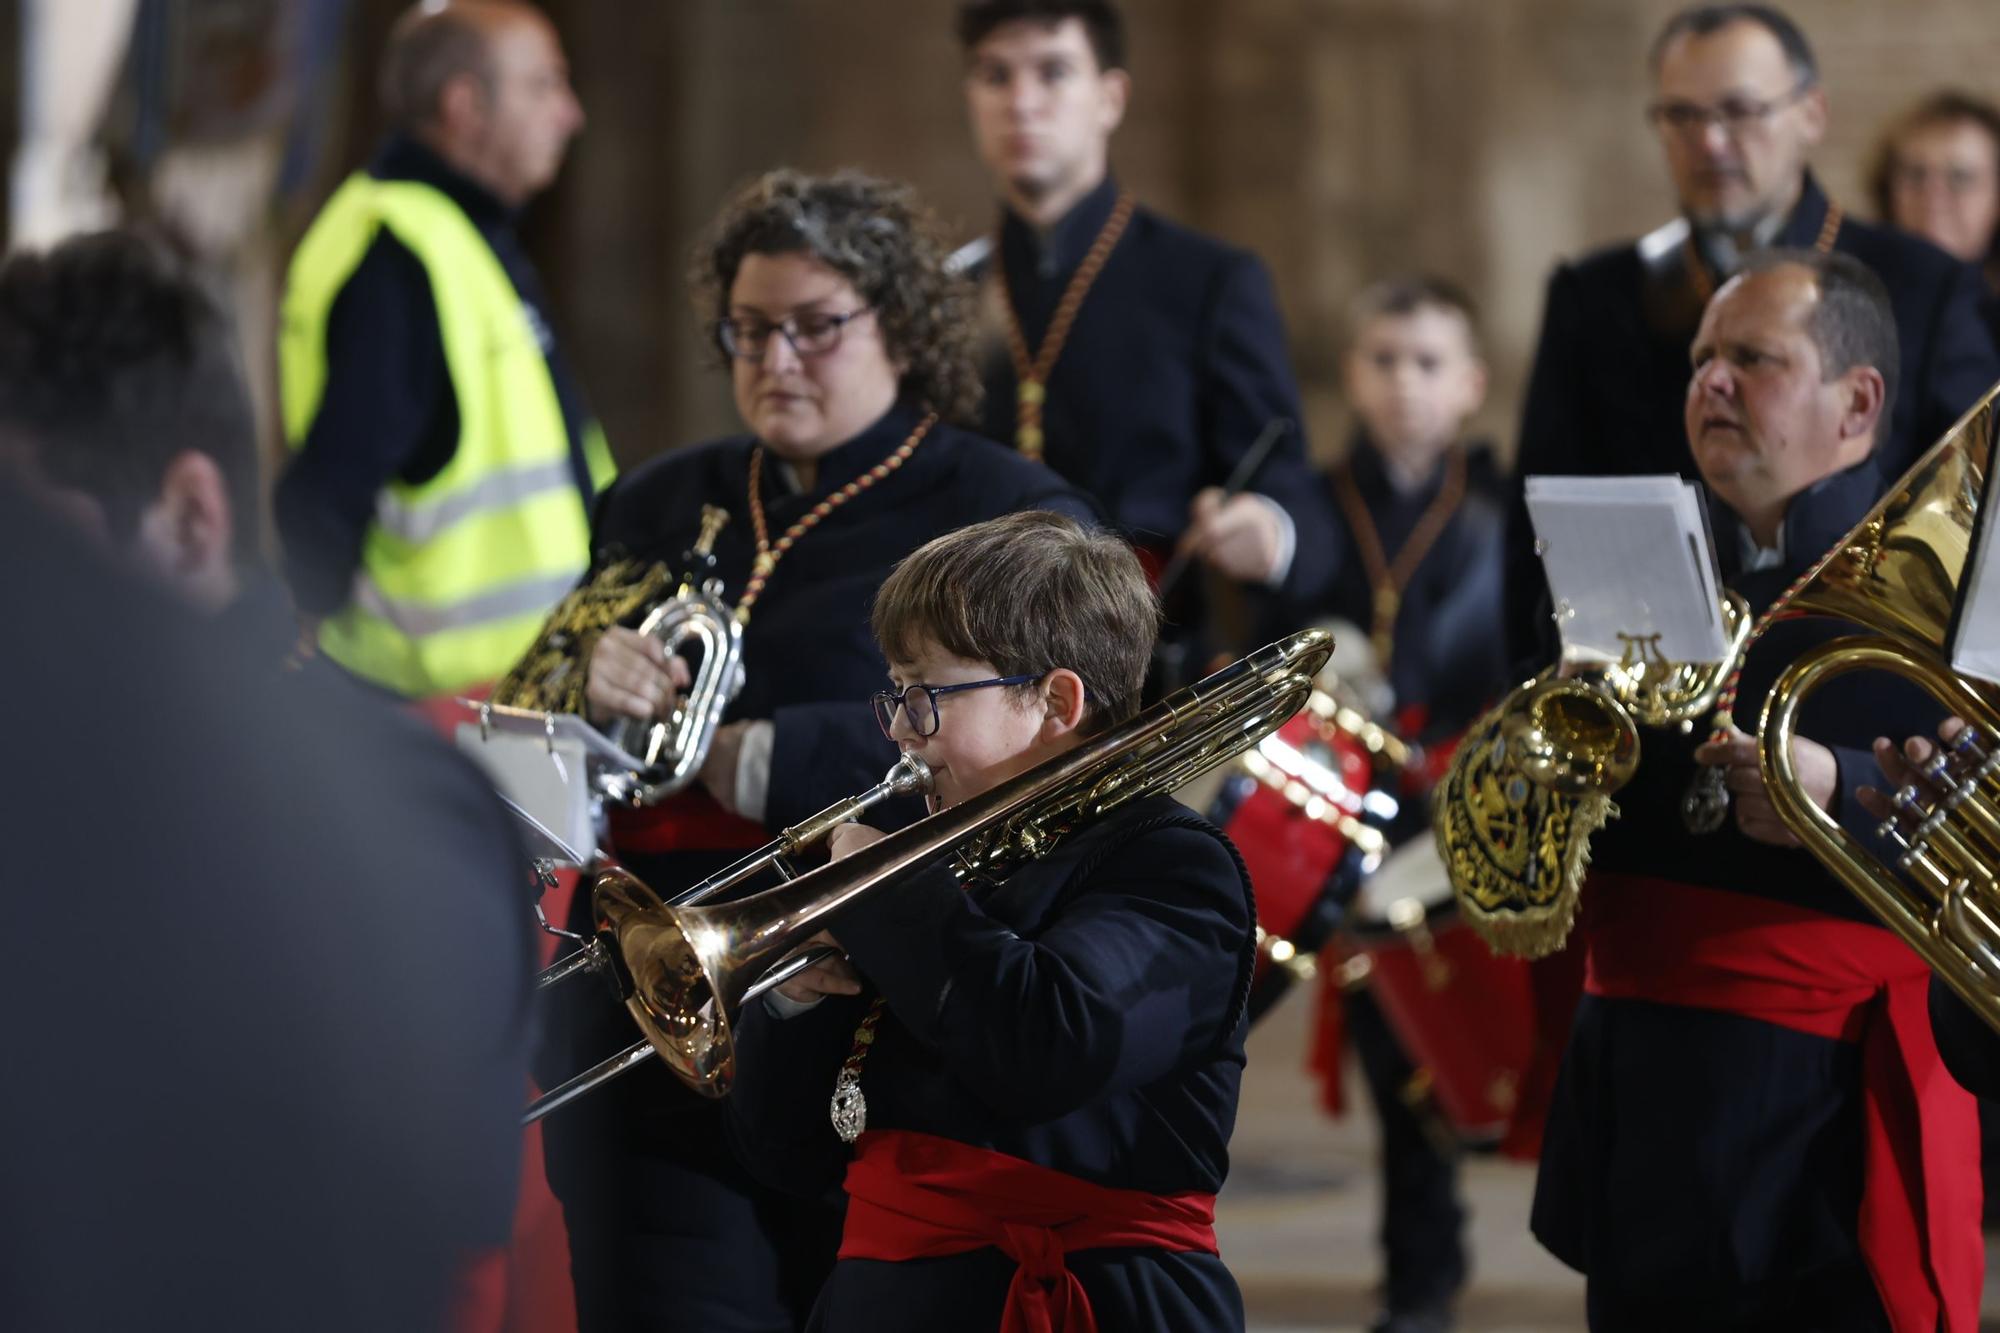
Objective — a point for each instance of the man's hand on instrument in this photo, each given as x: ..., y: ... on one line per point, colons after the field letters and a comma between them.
x: 1241, y: 538
x: 632, y: 675
x: 1904, y: 766
x: 847, y: 839
x: 1819, y: 774
x: 835, y: 976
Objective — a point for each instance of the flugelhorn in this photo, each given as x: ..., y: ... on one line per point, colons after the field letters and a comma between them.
x: 692, y: 621
x: 1897, y: 575
x: 689, y: 970
x: 594, y: 955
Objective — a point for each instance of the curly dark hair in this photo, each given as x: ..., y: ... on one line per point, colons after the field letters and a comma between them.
x: 1948, y: 107
x: 879, y: 236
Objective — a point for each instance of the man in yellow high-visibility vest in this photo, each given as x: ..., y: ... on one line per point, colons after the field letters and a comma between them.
x: 437, y: 504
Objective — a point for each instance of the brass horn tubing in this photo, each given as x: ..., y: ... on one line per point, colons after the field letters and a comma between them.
x: 909, y: 777
x: 564, y: 1093
x: 727, y: 941
x: 1917, y: 924
x: 1955, y: 924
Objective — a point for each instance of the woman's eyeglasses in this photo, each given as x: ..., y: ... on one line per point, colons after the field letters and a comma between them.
x: 813, y: 333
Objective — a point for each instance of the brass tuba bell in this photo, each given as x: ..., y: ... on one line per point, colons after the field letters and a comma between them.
x: 1533, y: 779
x: 1898, y: 575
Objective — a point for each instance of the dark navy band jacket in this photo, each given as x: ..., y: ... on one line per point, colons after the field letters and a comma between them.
x: 1086, y: 1015
x: 1176, y: 361
x: 1447, y: 654
x: 1611, y: 371
x: 1704, y: 1162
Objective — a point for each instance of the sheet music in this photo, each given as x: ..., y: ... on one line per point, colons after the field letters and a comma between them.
x: 542, y: 765
x: 1975, y: 635
x: 1631, y: 566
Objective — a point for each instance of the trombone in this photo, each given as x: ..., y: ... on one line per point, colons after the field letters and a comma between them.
x: 686, y: 971
x: 909, y: 776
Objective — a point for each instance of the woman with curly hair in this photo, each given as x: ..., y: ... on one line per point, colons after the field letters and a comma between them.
x: 848, y: 348
x: 1936, y: 172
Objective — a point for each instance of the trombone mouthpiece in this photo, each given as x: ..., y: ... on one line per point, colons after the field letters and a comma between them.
x: 910, y: 777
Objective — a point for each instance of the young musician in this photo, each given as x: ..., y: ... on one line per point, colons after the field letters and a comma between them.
x: 1039, y: 1076
x: 848, y: 350
x: 1417, y: 565
x: 1139, y: 357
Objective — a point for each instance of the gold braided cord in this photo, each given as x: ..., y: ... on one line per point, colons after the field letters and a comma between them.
x: 1032, y: 372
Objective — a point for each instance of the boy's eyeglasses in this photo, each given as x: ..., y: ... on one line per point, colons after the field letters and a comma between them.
x: 922, y: 701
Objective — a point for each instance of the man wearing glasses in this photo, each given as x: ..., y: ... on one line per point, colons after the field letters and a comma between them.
x: 1737, y: 106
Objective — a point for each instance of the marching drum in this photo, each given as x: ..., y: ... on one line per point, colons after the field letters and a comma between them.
x: 1464, y: 1014
x: 1295, y: 806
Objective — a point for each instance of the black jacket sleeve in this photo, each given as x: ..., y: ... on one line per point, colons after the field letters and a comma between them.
x: 1970, y: 1048
x: 1962, y: 363
x: 1552, y: 432
x: 1247, y: 381
x: 387, y: 412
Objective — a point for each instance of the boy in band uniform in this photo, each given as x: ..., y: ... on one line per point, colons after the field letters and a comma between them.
x: 1417, y: 562
x: 1040, y: 1074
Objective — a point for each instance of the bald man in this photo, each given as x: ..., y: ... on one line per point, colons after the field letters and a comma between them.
x: 1753, y: 1129
x: 445, y: 463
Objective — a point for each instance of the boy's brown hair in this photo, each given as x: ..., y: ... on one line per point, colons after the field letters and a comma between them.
x: 1029, y: 592
x: 1406, y: 294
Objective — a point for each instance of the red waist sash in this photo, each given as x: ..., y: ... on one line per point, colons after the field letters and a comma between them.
x: 689, y: 821
x: 1652, y: 939
x: 917, y: 1196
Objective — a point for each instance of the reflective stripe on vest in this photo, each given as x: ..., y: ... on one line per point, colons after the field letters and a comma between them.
x: 457, y: 572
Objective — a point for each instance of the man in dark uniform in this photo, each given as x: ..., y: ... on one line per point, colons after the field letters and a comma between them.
x: 277, y: 1068
x: 437, y: 505
x: 1141, y: 359
x: 1752, y: 1127
x: 1418, y: 571
x: 848, y: 348
x: 1738, y: 108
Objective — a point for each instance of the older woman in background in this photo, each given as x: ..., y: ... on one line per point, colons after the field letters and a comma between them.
x: 1937, y: 173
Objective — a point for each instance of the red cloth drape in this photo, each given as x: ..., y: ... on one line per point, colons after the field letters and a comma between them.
x: 1652, y: 939
x: 917, y: 1196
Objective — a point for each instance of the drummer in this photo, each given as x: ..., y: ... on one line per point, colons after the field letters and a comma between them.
x: 849, y: 352
x: 1418, y: 567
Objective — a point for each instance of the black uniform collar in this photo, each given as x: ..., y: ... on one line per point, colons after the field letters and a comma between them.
x: 1801, y: 230
x: 848, y: 461
x: 405, y: 159
x: 1058, y: 251
x: 1371, y: 472
x: 1817, y: 517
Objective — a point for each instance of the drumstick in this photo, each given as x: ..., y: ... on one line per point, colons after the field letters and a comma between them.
x: 1244, y: 472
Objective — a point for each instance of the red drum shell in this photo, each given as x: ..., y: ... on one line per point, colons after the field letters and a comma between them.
x: 1462, y: 1013
x: 1290, y: 856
